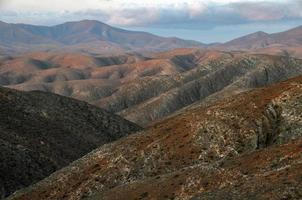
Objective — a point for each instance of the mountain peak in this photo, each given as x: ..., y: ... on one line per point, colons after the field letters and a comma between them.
x: 87, y: 22
x: 83, y: 25
x: 257, y: 34
x: 104, y: 38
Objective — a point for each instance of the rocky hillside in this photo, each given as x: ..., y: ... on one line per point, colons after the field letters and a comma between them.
x: 43, y: 132
x: 216, y: 79
x: 245, y: 146
x: 144, y: 89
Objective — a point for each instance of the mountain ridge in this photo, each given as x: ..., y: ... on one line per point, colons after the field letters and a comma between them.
x: 260, y: 39
x: 82, y: 33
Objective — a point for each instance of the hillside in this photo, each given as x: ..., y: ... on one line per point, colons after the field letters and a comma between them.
x: 246, y: 146
x: 43, y: 132
x: 145, y: 89
x: 84, y: 36
x: 261, y: 42
x: 228, y: 75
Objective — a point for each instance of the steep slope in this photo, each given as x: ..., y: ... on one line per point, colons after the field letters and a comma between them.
x: 272, y: 173
x: 88, y: 36
x: 43, y: 132
x: 204, y: 151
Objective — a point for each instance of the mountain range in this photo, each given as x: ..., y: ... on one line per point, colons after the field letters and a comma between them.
x: 90, y: 36
x: 87, y: 36
x: 90, y: 111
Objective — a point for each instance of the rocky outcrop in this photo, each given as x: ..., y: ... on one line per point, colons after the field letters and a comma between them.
x: 269, y: 127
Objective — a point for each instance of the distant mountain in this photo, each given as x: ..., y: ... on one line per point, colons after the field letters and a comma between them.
x: 42, y: 132
x: 290, y: 38
x: 86, y: 36
x: 245, y: 147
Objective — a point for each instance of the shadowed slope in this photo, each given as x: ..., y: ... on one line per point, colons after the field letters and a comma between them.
x: 43, y: 132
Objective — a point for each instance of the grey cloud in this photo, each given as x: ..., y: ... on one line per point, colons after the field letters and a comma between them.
x: 180, y: 16
x: 212, y: 15
x: 267, y: 11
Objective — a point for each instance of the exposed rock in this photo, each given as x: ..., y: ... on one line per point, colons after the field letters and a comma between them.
x: 227, y: 77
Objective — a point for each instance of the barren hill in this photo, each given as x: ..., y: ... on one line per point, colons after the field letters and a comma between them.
x: 144, y: 89
x: 206, y: 152
x: 261, y: 42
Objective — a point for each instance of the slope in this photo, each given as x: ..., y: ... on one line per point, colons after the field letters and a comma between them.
x: 43, y: 132
x: 275, y: 43
x: 204, y: 151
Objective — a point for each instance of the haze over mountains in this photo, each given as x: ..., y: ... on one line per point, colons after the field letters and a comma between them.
x: 83, y: 36
x: 261, y: 39
x: 90, y: 36
x: 261, y: 42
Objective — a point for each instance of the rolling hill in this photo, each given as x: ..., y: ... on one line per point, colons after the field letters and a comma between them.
x: 145, y: 89
x: 43, y: 132
x: 245, y: 146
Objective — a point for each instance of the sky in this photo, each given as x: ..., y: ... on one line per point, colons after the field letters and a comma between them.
x: 207, y: 21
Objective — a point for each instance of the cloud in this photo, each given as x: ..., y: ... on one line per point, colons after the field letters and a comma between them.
x: 156, y: 13
x: 267, y: 11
